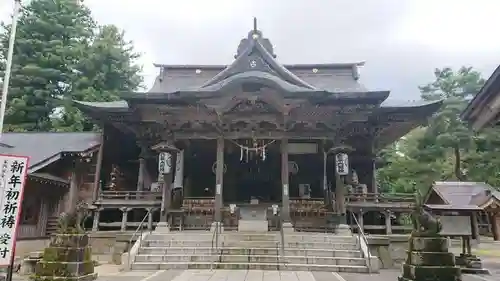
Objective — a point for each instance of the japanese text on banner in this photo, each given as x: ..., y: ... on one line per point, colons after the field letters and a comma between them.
x: 12, y: 180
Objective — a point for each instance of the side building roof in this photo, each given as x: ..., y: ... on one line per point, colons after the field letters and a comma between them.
x: 466, y: 193
x: 484, y: 108
x: 47, y: 147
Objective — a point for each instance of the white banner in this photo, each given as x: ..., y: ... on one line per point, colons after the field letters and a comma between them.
x: 342, y: 164
x: 12, y: 181
x: 179, y: 170
x: 164, y: 163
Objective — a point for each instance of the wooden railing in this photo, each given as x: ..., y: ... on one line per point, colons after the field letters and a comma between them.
x: 381, y: 197
x: 130, y: 195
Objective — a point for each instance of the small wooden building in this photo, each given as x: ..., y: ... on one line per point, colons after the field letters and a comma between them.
x: 61, y: 172
x: 463, y: 194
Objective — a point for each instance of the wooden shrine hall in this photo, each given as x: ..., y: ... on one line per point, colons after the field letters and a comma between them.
x: 253, y: 139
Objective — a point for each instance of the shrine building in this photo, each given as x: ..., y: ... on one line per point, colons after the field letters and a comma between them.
x: 252, y: 132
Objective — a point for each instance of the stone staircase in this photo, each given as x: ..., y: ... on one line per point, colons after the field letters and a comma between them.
x: 237, y: 250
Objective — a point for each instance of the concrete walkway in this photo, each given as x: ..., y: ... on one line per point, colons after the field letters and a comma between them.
x: 261, y: 275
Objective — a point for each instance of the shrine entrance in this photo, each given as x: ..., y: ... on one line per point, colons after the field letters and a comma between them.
x: 253, y: 173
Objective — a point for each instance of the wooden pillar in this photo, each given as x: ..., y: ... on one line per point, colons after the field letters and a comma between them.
x: 374, y: 176
x: 44, y: 213
x: 495, y: 227
x: 142, y: 169
x: 475, y: 226
x: 219, y: 177
x: 326, y: 191
x: 98, y: 167
x: 285, y: 199
x: 125, y: 211
x: 388, y: 223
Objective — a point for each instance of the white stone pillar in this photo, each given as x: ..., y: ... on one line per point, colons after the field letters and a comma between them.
x: 150, y: 218
x: 124, y: 218
x: 388, y: 224
x: 95, y: 223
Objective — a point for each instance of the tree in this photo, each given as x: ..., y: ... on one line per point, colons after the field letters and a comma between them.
x: 447, y: 133
x: 107, y: 69
x: 60, y: 55
x: 446, y: 149
x: 52, y: 36
x: 403, y: 171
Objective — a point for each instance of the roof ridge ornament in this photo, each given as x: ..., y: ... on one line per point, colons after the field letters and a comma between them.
x: 254, y: 35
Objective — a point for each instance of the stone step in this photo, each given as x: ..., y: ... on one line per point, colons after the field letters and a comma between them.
x: 238, y: 236
x: 245, y: 251
x: 252, y: 259
x: 249, y: 244
x: 150, y: 266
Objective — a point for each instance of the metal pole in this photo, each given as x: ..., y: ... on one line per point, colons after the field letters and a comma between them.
x: 8, y: 66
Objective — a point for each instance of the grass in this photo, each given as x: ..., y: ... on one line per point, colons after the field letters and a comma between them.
x: 487, y: 253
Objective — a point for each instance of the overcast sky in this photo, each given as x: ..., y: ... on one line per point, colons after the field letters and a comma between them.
x: 402, y: 41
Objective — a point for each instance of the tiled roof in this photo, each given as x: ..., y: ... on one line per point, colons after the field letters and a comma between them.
x: 332, y: 80
x: 465, y: 193
x: 45, y: 148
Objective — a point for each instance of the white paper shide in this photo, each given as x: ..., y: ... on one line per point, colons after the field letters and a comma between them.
x: 12, y: 180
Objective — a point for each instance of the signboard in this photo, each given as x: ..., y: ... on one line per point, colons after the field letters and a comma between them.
x: 164, y: 163
x: 455, y: 225
x: 342, y: 164
x: 12, y: 181
x: 179, y: 170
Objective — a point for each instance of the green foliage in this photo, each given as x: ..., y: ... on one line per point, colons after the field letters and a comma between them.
x: 60, y: 54
x: 446, y: 149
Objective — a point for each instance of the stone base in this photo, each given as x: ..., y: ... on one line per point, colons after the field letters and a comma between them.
x: 428, y: 259
x: 288, y: 227
x: 478, y: 271
x: 68, y: 257
x: 343, y: 229
x: 471, y: 264
x: 217, y: 225
x: 253, y: 225
x: 88, y: 277
x: 431, y: 273
x: 162, y: 227
x: 468, y: 261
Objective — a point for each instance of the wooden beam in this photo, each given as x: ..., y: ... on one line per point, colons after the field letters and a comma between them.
x: 164, y: 146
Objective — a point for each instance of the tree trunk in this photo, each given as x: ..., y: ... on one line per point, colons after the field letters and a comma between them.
x: 458, y: 161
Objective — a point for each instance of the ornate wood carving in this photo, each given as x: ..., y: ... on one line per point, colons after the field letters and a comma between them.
x: 251, y: 105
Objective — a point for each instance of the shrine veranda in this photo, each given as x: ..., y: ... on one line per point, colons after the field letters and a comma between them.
x: 255, y: 132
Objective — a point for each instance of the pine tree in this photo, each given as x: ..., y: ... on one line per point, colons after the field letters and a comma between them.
x: 107, y: 69
x: 52, y: 35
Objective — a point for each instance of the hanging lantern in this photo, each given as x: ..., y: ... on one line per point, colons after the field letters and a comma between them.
x: 342, y: 164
